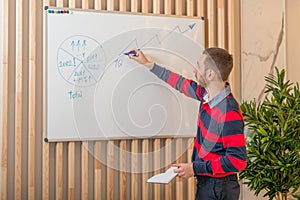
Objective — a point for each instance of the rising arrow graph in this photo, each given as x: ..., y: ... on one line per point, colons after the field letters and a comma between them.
x: 157, y: 37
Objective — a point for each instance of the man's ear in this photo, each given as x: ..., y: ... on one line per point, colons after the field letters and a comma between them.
x: 214, y: 75
x: 210, y: 74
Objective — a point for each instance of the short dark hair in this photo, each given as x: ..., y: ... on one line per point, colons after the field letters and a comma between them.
x: 220, y: 59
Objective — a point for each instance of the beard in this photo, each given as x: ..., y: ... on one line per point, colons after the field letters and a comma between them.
x: 202, y: 81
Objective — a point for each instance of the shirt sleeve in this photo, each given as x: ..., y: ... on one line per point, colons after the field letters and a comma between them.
x: 188, y: 87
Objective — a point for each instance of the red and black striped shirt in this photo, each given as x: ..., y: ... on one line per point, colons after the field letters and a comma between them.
x: 219, y: 146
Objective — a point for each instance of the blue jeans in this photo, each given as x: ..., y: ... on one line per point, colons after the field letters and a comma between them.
x: 226, y: 188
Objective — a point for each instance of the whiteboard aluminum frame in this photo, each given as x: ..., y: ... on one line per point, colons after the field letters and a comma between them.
x: 45, y: 66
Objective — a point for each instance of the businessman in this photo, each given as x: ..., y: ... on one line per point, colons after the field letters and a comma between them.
x: 219, y: 147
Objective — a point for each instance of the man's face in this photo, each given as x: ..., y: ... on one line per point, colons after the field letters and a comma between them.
x: 200, y: 72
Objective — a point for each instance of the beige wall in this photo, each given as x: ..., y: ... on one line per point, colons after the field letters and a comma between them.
x: 269, y: 37
x: 262, y: 43
x: 293, y: 40
x: 262, y: 48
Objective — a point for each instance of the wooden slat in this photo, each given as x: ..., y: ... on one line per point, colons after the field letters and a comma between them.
x: 98, y: 171
x: 145, y: 169
x: 134, y: 169
x: 202, y: 12
x: 18, y: 100
x: 46, y: 149
x: 85, y: 4
x: 156, y: 6
x: 84, y: 170
x: 32, y: 100
x: 178, y: 7
x: 46, y: 3
x: 72, y: 3
x: 190, y: 7
x: 212, y: 28
x: 168, y: 7
x: 46, y: 171
x: 123, y: 164
x: 134, y: 5
x: 110, y: 5
x: 145, y: 6
x: 221, y: 24
x: 156, y: 159
x: 179, y: 152
x: 98, y: 4
x: 191, y: 181
x: 5, y: 91
x: 59, y: 171
x: 110, y: 170
x: 201, y: 5
x: 71, y: 170
x: 234, y: 45
x: 122, y: 6
x: 168, y: 161
x: 60, y: 3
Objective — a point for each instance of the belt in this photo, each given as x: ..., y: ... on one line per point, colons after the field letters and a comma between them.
x: 229, y: 177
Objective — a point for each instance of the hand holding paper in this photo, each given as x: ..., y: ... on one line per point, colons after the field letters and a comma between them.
x: 163, y: 178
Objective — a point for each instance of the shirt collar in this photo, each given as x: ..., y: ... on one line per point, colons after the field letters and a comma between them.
x: 217, y: 99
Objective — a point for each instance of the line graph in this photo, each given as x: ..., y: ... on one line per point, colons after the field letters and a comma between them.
x: 156, y: 37
x: 81, y: 59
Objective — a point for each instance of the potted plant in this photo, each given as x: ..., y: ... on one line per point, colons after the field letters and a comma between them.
x: 273, y: 141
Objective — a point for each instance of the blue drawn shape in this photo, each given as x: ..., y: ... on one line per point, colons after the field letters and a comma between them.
x: 80, y: 60
x: 192, y: 26
x: 159, y: 36
x: 118, y: 63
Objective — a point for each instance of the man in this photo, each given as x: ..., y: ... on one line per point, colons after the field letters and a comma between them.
x: 219, y: 147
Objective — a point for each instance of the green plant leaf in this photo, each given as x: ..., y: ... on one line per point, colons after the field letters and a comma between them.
x: 273, y: 144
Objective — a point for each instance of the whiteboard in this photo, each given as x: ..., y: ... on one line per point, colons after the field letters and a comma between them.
x: 94, y: 92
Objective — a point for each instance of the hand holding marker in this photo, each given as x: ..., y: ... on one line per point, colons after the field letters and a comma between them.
x: 132, y: 52
x: 138, y: 56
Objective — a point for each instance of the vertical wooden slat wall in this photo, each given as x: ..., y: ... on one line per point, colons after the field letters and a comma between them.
x: 19, y: 76
x: 32, y: 99
x: 5, y: 100
x: 75, y: 170
x: 234, y: 44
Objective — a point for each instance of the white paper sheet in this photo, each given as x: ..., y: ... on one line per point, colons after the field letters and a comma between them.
x: 163, y: 178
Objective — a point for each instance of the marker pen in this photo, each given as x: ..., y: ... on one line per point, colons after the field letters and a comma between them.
x: 131, y: 53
